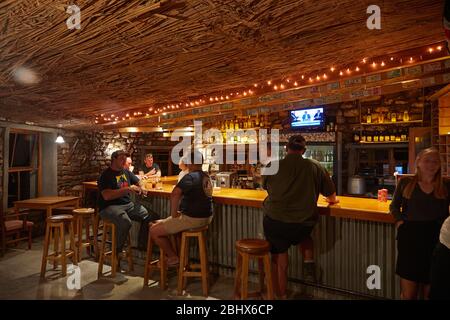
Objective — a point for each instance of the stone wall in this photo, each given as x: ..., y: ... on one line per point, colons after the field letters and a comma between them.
x: 85, y: 155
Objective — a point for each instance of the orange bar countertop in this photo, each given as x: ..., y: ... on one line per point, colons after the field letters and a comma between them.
x: 348, y: 207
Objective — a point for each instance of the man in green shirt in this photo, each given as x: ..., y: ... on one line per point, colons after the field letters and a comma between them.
x: 290, y: 209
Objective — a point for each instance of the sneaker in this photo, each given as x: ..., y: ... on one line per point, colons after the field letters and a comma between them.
x: 309, y: 272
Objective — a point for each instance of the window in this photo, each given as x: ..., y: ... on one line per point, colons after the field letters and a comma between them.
x: 24, y: 166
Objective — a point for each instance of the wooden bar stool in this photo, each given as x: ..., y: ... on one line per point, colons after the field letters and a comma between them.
x: 112, y: 254
x: 185, y: 270
x: 258, y: 249
x: 83, y: 216
x: 161, y: 263
x: 55, y: 231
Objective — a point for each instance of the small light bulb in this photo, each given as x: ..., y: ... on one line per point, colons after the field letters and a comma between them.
x: 392, y: 58
x: 282, y: 86
x: 295, y: 83
x: 275, y: 87
x: 357, y: 69
x: 317, y: 77
x: 430, y: 50
x: 332, y: 69
x: 341, y: 73
x: 439, y: 48
x: 374, y: 64
x: 325, y: 76
x: 269, y: 82
x: 382, y: 63
x: 255, y: 85
x: 303, y: 77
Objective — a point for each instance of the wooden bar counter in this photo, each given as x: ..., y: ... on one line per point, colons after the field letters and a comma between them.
x: 348, y: 207
x: 349, y: 237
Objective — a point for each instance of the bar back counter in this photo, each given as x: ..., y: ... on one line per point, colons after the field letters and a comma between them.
x: 350, y: 237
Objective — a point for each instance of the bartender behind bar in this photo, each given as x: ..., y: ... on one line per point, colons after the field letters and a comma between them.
x: 149, y: 168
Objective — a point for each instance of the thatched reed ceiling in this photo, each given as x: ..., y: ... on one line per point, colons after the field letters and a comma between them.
x: 131, y: 54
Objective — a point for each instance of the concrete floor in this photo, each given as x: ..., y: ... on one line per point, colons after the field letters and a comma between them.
x: 20, y: 279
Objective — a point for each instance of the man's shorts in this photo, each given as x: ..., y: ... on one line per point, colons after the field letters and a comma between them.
x: 282, y: 235
x: 184, y: 222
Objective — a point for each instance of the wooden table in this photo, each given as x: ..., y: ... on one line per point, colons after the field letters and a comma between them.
x: 47, y: 203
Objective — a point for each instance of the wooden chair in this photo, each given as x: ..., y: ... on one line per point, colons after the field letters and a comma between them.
x: 15, y: 225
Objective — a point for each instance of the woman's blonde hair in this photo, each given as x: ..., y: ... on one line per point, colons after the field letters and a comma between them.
x: 440, y: 191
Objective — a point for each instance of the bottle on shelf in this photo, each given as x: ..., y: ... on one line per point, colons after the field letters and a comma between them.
x: 392, y: 136
x: 236, y: 124
x: 369, y: 137
x: 406, y: 116
x: 393, y: 117
x: 386, y: 137
x: 376, y: 137
x: 356, y: 137
x: 381, y: 117
x: 397, y: 136
x: 257, y: 120
x: 363, y: 137
x: 381, y: 137
x: 404, y: 136
x: 369, y: 116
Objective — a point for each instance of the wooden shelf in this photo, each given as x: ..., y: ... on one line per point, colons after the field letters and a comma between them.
x: 390, y: 123
x: 383, y: 142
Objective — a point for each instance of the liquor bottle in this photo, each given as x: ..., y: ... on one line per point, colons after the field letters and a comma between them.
x: 381, y: 138
x: 392, y: 136
x: 386, y: 137
x: 356, y: 136
x: 257, y: 121
x: 364, y: 137
x: 393, y: 117
x: 236, y: 124
x: 375, y: 137
x: 397, y: 136
x: 406, y: 116
x: 369, y: 116
x: 388, y: 118
x: 404, y: 136
x: 381, y: 117
x: 369, y: 137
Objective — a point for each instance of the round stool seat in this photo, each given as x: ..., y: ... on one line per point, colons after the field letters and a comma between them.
x: 204, y: 228
x: 83, y: 211
x: 253, y: 246
x: 60, y: 218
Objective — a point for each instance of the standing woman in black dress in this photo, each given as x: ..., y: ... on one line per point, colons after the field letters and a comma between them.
x: 420, y: 205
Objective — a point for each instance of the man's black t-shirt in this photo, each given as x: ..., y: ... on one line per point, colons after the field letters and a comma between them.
x: 115, y: 180
x: 197, y: 195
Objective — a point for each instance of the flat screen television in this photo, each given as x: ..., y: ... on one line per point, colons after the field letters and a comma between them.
x: 308, y: 119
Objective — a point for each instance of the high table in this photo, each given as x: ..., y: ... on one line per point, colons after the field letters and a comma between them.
x: 46, y: 203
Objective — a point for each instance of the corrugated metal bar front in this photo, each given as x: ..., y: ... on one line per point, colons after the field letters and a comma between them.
x: 344, y: 248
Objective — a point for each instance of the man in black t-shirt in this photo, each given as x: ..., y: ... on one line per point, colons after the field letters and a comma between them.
x: 190, y: 206
x: 115, y: 186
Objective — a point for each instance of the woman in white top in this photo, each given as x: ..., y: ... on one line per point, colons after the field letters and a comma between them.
x: 184, y: 169
x: 440, y: 265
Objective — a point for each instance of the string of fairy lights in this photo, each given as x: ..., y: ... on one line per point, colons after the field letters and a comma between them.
x: 295, y: 81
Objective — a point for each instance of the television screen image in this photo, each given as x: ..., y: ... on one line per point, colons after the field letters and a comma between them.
x: 307, y: 118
